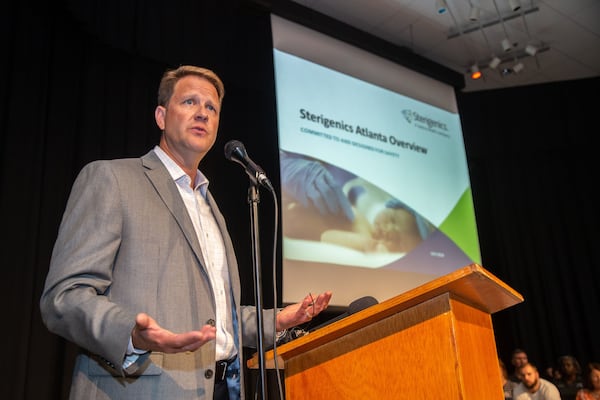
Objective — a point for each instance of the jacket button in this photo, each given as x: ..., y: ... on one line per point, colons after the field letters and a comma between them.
x: 211, y: 322
x: 208, y: 373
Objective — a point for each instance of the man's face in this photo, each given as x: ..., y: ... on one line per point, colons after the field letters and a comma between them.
x: 519, y: 359
x: 529, y: 376
x: 191, y: 118
x: 569, y: 367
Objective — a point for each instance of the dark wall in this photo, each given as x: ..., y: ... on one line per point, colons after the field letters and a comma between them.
x: 78, y: 82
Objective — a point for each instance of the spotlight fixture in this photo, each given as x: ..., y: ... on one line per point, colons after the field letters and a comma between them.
x: 475, y: 72
x: 531, y: 49
x: 514, y: 5
x: 474, y: 13
x: 506, y: 46
x: 441, y: 6
x: 494, y: 62
x: 518, y: 67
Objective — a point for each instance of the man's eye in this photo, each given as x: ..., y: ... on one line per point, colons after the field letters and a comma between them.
x: 188, y: 101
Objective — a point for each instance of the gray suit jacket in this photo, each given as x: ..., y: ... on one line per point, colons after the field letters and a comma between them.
x: 126, y: 244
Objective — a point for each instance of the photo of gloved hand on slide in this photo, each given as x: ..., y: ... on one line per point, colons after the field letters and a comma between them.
x: 311, y: 184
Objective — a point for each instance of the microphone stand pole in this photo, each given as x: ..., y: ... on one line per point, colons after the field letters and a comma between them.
x: 253, y: 200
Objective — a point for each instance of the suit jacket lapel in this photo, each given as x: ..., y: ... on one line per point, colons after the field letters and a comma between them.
x: 167, y: 190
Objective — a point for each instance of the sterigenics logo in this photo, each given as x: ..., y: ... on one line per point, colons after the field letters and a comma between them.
x: 407, y: 115
x: 425, y: 123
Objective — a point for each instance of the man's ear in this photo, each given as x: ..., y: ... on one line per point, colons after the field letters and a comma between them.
x: 159, y: 117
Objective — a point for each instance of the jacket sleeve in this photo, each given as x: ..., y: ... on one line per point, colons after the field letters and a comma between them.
x: 74, y: 303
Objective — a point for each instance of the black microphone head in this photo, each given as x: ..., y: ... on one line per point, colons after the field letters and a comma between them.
x: 235, y: 150
x: 360, y: 304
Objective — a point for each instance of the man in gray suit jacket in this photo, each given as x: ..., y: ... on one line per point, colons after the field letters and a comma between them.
x: 143, y: 275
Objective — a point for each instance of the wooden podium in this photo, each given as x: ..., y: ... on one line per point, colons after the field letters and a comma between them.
x: 433, y: 342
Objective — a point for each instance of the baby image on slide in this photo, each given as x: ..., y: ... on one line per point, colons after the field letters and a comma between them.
x: 381, y: 222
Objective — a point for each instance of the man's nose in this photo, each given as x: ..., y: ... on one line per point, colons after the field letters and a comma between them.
x: 201, y: 115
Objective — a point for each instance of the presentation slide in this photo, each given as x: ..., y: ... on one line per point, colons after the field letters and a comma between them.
x: 375, y: 188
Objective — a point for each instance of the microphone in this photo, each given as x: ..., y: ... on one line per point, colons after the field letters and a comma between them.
x: 236, y: 152
x: 354, y: 307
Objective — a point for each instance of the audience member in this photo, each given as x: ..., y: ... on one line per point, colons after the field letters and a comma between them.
x: 570, y: 380
x: 508, y: 386
x: 552, y: 373
x: 518, y: 359
x: 591, y: 391
x: 534, y: 387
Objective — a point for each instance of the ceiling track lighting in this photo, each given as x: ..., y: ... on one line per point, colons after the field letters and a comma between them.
x: 506, y: 46
x: 509, y: 48
x: 475, y: 73
x: 489, y: 21
x: 495, y: 61
x: 516, y: 58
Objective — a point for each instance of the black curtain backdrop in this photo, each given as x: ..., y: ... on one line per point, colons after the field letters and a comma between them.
x: 78, y: 82
x: 533, y: 166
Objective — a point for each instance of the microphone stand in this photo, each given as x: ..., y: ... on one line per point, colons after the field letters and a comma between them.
x: 253, y: 200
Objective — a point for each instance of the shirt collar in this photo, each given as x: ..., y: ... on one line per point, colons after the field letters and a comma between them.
x: 178, y: 174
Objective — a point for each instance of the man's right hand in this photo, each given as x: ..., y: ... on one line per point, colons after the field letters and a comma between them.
x: 148, y: 335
